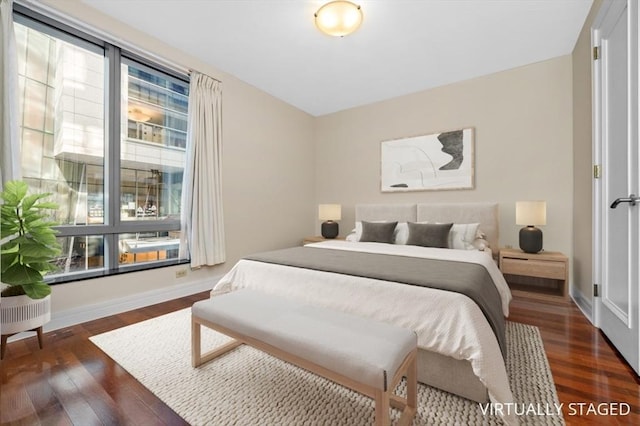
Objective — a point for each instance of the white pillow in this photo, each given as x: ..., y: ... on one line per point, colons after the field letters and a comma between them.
x: 358, y: 230
x: 401, y: 235
x: 463, y: 235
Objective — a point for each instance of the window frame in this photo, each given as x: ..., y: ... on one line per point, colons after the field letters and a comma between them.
x: 113, y: 225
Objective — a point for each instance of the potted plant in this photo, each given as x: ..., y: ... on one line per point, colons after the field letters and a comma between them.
x: 28, y: 245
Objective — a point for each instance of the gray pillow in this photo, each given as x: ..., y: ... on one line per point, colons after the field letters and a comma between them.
x: 378, y: 232
x: 429, y: 234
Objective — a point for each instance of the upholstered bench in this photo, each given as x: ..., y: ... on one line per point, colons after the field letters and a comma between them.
x: 365, y: 355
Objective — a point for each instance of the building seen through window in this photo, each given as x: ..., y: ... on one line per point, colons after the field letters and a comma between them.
x: 65, y: 94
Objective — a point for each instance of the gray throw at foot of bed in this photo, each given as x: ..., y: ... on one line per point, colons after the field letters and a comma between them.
x: 470, y: 279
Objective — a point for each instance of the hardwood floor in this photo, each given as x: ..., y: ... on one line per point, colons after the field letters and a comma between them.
x: 72, y: 382
x: 585, y: 367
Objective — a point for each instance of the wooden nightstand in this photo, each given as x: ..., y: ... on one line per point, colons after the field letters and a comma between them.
x: 543, y: 275
x: 318, y: 238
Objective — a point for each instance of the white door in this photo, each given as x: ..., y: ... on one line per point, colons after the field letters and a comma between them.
x: 617, y: 207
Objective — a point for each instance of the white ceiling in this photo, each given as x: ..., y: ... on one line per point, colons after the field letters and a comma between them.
x: 403, y: 46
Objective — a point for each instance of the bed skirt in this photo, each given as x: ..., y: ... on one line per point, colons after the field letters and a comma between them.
x: 450, y: 375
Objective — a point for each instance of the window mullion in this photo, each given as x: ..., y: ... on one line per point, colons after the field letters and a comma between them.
x: 112, y: 156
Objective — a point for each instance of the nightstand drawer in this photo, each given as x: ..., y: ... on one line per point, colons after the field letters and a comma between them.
x: 536, y: 268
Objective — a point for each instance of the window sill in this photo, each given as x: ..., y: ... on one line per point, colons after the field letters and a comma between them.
x: 101, y: 273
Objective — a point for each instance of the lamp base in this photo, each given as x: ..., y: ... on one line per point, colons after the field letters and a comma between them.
x: 530, y: 239
x: 329, y: 229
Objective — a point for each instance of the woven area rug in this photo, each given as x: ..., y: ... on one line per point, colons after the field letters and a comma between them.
x: 248, y: 387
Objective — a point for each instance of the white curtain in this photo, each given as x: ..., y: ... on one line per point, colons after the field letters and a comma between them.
x: 10, y: 148
x: 202, y: 218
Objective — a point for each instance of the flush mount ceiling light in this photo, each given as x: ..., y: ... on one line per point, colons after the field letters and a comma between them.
x: 338, y: 18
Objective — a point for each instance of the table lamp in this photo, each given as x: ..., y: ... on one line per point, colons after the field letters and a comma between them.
x: 329, y: 213
x: 531, y: 213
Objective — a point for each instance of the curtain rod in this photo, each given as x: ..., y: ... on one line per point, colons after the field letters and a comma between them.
x: 51, y: 12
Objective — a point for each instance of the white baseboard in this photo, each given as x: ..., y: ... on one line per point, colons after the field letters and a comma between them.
x: 583, y: 303
x: 112, y: 307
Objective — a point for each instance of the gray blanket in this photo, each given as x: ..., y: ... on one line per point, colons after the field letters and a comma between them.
x: 470, y: 279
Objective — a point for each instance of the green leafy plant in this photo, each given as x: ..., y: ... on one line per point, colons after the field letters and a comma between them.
x: 27, y: 241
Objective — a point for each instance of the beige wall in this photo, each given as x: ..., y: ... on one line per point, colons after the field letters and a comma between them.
x: 268, y: 174
x: 523, y: 147
x: 582, y: 160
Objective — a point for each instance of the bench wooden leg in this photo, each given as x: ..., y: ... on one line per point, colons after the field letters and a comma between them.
x: 196, y: 350
x: 197, y: 357
x: 382, y: 408
x: 412, y: 384
x: 411, y: 402
x: 407, y: 405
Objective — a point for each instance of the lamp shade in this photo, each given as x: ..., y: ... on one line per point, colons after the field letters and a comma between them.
x: 531, y: 213
x: 329, y: 212
x: 338, y: 18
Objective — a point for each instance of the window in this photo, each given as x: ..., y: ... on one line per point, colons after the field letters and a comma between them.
x: 105, y: 132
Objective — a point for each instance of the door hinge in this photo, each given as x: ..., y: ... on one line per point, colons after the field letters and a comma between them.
x: 596, y: 53
x: 597, y: 171
x: 596, y: 291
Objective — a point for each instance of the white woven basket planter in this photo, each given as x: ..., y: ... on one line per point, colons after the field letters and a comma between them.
x: 22, y: 313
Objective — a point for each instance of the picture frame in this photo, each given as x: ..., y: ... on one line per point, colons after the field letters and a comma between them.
x: 431, y: 162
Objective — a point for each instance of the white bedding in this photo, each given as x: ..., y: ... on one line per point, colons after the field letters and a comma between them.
x: 446, y: 322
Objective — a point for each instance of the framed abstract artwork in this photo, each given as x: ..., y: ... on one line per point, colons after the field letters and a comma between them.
x: 438, y: 161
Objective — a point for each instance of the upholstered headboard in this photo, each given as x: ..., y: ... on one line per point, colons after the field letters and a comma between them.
x: 399, y: 212
x: 484, y: 213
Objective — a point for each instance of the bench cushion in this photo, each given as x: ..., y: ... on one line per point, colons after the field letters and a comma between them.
x: 363, y: 349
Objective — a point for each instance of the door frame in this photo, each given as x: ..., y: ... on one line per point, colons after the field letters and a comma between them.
x: 600, y: 205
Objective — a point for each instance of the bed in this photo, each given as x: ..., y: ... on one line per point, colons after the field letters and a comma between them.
x: 459, y: 350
